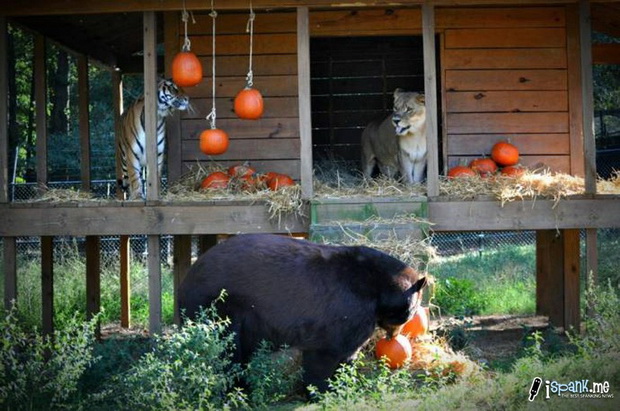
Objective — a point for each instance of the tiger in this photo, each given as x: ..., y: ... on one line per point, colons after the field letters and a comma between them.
x: 398, y: 142
x: 131, y: 146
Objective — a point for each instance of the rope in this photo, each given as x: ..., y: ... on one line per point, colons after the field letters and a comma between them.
x: 250, y: 28
x: 211, y: 117
x: 187, y: 44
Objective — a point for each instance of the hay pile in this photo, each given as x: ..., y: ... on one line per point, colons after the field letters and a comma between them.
x: 62, y: 195
x: 285, y: 201
x: 435, y: 357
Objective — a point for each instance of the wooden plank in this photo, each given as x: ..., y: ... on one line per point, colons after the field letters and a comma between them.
x: 205, y: 242
x: 173, y: 121
x: 275, y: 107
x: 528, y: 144
x: 582, y: 101
x: 591, y: 264
x: 518, y: 17
x: 125, y: 281
x: 513, y: 80
x: 47, y: 285
x: 251, y: 149
x: 272, y: 64
x: 40, y: 97
x: 547, y: 58
x: 227, y: 23
x: 576, y: 125
x: 430, y: 92
x: 505, y: 38
x: 181, y: 260
x: 4, y: 124
x: 305, y: 114
x: 274, y: 128
x: 84, y: 119
x: 549, y: 276
x: 9, y: 259
x: 154, y: 272
x: 269, y: 86
x: 150, y: 104
x: 469, y: 123
x: 605, y: 18
x: 373, y: 22
x: 93, y: 276
x: 507, y: 101
x: 230, y: 45
x: 571, y: 269
x: 606, y: 53
x: 288, y: 167
x: 556, y: 163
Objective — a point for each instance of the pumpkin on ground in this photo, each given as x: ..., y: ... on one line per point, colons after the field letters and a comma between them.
x: 512, y: 171
x: 241, y: 170
x: 417, y: 325
x: 397, y: 350
x: 460, y: 172
x: 279, y: 181
x: 505, y: 154
x: 483, y: 166
x: 186, y: 69
x: 213, y: 141
x: 214, y: 180
x: 249, y: 104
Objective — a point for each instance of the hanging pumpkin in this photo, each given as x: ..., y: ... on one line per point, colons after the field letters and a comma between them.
x: 249, y: 104
x: 186, y: 69
x: 213, y: 141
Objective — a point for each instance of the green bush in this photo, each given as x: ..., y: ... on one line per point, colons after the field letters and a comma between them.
x: 42, y: 373
x: 458, y: 296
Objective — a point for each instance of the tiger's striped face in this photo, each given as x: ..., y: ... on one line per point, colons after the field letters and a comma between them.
x: 171, y: 97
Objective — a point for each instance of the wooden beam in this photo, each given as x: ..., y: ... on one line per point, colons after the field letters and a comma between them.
x: 430, y: 95
x: 47, y: 284
x: 587, y: 91
x: 40, y: 97
x: 154, y: 270
x: 606, y: 53
x: 181, y: 260
x: 125, y: 280
x: 10, y: 271
x: 84, y: 118
x: 575, y: 97
x: 93, y: 276
x: 305, y: 114
x: 173, y: 122
x: 54, y: 7
x: 150, y: 104
x: 4, y: 124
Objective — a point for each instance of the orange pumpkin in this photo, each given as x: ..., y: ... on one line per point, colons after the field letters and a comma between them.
x: 483, y: 166
x: 512, y: 171
x: 418, y: 325
x: 241, y: 170
x: 279, y: 181
x: 186, y: 69
x: 213, y: 141
x: 249, y: 104
x: 460, y: 172
x: 505, y: 154
x: 397, y: 350
x: 216, y: 179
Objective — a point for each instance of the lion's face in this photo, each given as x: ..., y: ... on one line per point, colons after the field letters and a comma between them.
x: 409, y: 111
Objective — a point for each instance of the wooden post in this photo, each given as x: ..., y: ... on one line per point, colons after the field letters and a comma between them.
x: 84, y: 102
x: 182, y: 260
x: 154, y: 270
x: 47, y: 284
x: 430, y: 95
x: 150, y: 105
x: 205, y: 242
x: 40, y: 92
x: 10, y: 271
x: 587, y: 91
x: 93, y: 277
x: 305, y: 114
x: 124, y: 244
x: 4, y: 125
x: 557, y: 277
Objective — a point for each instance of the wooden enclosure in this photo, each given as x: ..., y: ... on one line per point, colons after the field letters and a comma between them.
x: 490, y: 70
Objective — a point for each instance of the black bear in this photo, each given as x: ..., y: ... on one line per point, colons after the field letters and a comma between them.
x: 323, y: 300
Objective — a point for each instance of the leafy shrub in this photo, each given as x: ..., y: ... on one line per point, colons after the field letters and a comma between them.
x: 39, y: 372
x: 189, y: 369
x: 458, y: 296
x: 272, y: 376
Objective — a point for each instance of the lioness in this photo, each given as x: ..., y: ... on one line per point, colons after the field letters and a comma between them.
x: 398, y: 143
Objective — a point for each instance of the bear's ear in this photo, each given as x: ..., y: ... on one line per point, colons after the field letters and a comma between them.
x: 419, y: 285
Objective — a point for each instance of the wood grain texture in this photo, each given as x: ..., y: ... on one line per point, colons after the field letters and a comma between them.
x: 549, y: 58
x: 235, y: 23
x: 274, y: 107
x: 506, y: 101
x: 250, y: 149
x: 305, y: 113
x: 528, y: 144
x: 517, y: 80
x: 262, y: 128
x: 154, y: 271
x: 504, y: 17
x: 271, y: 64
x: 237, y: 44
x: 229, y: 86
x: 557, y: 163
x: 430, y: 91
x: 470, y: 123
x: 365, y: 22
x: 505, y: 38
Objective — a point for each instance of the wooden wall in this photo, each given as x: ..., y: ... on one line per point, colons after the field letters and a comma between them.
x: 271, y: 143
x: 510, y: 73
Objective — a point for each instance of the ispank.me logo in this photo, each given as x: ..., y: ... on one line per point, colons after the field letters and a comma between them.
x: 572, y: 389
